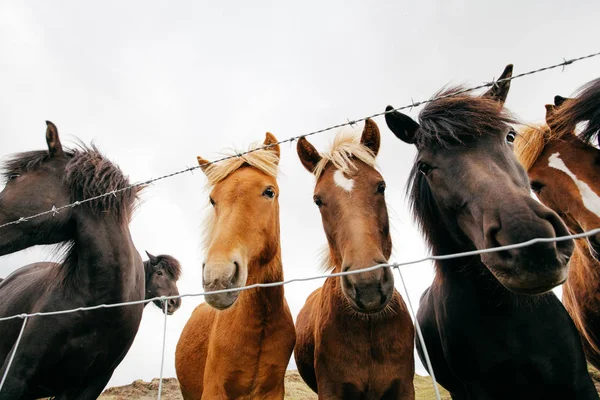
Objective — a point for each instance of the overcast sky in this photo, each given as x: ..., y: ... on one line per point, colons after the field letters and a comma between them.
x: 155, y: 84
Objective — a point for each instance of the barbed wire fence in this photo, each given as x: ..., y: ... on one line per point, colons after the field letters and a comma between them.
x: 55, y: 210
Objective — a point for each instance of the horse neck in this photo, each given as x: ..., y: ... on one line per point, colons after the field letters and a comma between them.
x: 103, y: 260
x: 260, y: 301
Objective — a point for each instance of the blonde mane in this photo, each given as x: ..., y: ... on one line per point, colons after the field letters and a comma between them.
x: 530, y: 143
x: 345, y: 146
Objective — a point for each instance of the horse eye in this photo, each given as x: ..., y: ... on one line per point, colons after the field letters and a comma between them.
x: 510, y: 136
x: 318, y: 201
x: 536, y: 186
x: 381, y: 187
x: 212, y: 202
x: 424, y: 168
x: 13, y: 176
x: 159, y: 273
x: 270, y: 193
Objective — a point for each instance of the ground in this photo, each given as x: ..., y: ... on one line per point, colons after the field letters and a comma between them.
x: 295, y: 389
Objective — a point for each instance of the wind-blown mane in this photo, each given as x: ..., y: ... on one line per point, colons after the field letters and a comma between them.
x: 447, y: 122
x: 530, y: 143
x: 167, y: 262
x: 87, y: 174
x: 585, y: 106
x: 345, y: 146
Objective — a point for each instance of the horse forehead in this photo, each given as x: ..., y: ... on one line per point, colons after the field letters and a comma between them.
x: 590, y: 195
x: 342, y: 181
x: 244, y: 180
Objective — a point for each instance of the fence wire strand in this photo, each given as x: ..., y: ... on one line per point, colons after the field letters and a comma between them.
x: 420, y: 336
x: 55, y: 210
x: 12, y: 356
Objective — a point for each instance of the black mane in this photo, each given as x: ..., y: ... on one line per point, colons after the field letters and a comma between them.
x: 460, y: 119
x: 584, y: 107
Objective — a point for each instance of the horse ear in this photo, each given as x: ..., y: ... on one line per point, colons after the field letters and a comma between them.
x: 559, y: 100
x: 499, y: 90
x: 370, y: 136
x: 204, y: 164
x: 270, y: 139
x: 153, y: 259
x: 53, y: 141
x: 309, y: 156
x: 403, y: 126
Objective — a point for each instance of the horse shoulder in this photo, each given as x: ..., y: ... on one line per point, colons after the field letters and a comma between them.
x: 192, y: 349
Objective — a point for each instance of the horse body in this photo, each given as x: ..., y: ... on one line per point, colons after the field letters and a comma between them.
x: 492, y: 327
x: 237, y: 345
x: 563, y: 170
x: 354, y: 335
x: 70, y: 356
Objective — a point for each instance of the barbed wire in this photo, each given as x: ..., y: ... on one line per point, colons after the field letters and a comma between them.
x: 55, y: 210
x: 315, y: 277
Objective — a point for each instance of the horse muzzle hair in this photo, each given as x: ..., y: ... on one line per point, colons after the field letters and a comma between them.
x: 223, y: 274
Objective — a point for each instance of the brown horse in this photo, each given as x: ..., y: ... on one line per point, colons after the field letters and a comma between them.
x: 355, y: 338
x: 240, y: 347
x: 564, y: 171
x: 492, y: 326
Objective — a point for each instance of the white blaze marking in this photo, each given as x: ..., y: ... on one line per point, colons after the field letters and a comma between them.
x: 591, y: 200
x: 340, y: 180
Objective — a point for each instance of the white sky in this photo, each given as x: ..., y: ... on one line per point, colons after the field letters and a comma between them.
x: 155, y: 84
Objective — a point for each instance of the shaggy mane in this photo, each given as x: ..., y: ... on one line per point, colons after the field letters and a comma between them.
x: 345, y: 146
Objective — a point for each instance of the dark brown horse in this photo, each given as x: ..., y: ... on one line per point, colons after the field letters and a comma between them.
x: 492, y: 327
x: 354, y: 335
x: 70, y: 356
x: 162, y: 273
x: 564, y: 170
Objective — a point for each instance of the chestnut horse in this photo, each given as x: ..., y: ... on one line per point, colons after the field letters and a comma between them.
x: 354, y: 335
x: 162, y: 273
x: 237, y: 345
x: 564, y: 171
x: 492, y: 326
x: 70, y: 356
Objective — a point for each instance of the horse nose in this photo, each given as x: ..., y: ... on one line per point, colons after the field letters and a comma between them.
x: 369, y: 294
x: 174, y: 304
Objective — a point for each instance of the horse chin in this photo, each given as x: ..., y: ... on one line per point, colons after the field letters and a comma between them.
x: 221, y: 301
x: 531, y: 284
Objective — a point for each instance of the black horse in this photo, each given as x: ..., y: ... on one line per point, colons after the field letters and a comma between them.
x: 492, y: 327
x: 162, y: 273
x: 70, y: 356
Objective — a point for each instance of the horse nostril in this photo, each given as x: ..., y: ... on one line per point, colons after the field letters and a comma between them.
x: 346, y: 268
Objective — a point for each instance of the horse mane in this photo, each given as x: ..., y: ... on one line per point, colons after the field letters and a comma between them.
x: 265, y: 160
x: 455, y: 119
x: 168, y: 263
x: 585, y: 106
x: 88, y: 174
x: 447, y: 122
x: 345, y: 146
x: 529, y: 144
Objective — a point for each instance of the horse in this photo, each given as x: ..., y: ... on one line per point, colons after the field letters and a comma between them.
x: 70, y: 356
x: 491, y: 324
x: 564, y: 174
x: 375, y: 358
x: 162, y: 273
x: 237, y: 345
